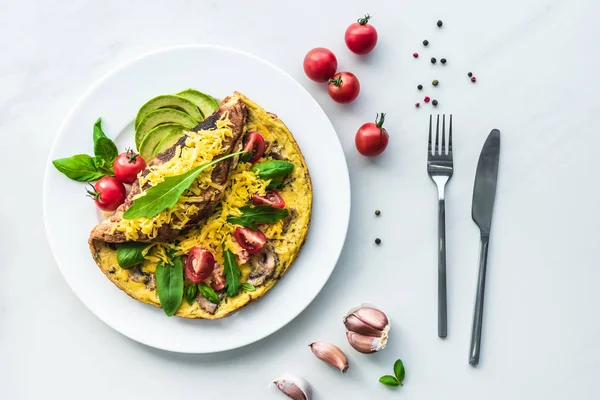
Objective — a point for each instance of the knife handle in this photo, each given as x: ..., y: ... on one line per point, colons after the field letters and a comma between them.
x: 478, y: 314
x: 442, y: 302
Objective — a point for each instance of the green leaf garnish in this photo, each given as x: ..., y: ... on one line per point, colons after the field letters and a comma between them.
x: 165, y: 194
x: 190, y: 293
x: 232, y: 274
x: 80, y: 167
x: 208, y: 293
x: 104, y: 148
x: 389, y: 380
x: 399, y: 370
x: 263, y: 214
x: 129, y: 254
x: 169, y: 285
x: 275, y: 170
x: 248, y: 287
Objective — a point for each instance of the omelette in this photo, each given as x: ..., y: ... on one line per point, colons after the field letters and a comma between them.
x: 247, y: 216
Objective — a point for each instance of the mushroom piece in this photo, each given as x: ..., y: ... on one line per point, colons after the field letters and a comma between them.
x: 263, y: 266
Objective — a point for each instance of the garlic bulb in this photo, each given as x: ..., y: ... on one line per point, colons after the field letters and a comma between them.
x: 367, y: 329
x: 294, y: 387
x: 331, y: 354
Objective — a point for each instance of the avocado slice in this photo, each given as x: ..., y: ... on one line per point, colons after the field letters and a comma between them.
x: 155, y: 136
x: 205, y: 103
x: 169, y: 101
x: 160, y: 117
x: 167, y: 142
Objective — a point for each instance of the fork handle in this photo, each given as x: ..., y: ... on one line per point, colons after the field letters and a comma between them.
x: 478, y: 314
x: 442, y: 302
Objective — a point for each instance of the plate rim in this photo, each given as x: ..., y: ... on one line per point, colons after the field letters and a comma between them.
x: 61, y: 132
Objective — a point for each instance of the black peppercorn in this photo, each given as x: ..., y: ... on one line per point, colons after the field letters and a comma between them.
x: 440, y: 23
x: 434, y: 102
x: 420, y: 87
x: 377, y: 212
x: 470, y: 74
x: 377, y: 241
x: 435, y: 82
x: 433, y: 60
x: 443, y: 61
x: 425, y: 42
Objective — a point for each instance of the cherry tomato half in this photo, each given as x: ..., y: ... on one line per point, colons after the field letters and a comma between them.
x: 254, y: 146
x: 320, y: 64
x: 217, y: 278
x: 372, y: 138
x: 271, y: 198
x: 109, y: 193
x: 128, y: 165
x: 361, y: 37
x: 344, y: 87
x: 251, y: 241
x: 199, y: 264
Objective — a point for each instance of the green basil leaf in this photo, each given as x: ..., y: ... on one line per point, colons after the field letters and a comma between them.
x: 169, y: 285
x: 248, y: 287
x: 275, y: 170
x: 232, y: 274
x: 129, y: 254
x: 389, y: 380
x: 190, y: 293
x: 104, y: 148
x: 399, y: 370
x: 165, y: 194
x: 80, y: 167
x: 208, y: 293
x: 263, y: 214
x: 98, y: 132
x: 246, y: 156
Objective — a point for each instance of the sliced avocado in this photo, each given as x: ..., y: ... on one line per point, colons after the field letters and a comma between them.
x: 155, y: 136
x: 169, y: 101
x: 167, y: 142
x: 160, y: 117
x: 205, y: 103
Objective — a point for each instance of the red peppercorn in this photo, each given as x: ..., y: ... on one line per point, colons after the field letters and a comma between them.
x: 417, y: 105
x: 426, y: 99
x: 473, y: 79
x: 415, y: 55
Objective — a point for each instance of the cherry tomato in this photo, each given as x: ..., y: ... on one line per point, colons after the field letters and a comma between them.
x: 217, y: 278
x: 108, y: 194
x: 128, y: 165
x: 361, y: 37
x: 199, y: 264
x: 271, y: 198
x: 320, y: 64
x: 371, y: 138
x: 254, y: 146
x: 251, y: 241
x: 344, y: 87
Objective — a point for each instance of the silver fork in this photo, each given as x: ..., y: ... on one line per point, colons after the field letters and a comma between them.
x: 440, y: 168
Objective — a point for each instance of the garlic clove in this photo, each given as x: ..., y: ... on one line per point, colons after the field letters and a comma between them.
x: 367, y: 344
x: 294, y: 387
x: 355, y: 324
x: 371, y: 316
x: 331, y: 354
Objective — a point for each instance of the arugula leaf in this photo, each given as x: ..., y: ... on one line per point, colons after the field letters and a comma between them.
x: 104, y: 148
x: 169, y: 285
x: 248, y: 287
x: 389, y: 380
x: 165, y: 194
x: 399, y: 370
x: 208, y: 293
x: 80, y: 167
x: 130, y: 254
x: 190, y: 293
x: 263, y: 214
x: 232, y: 274
x: 276, y: 170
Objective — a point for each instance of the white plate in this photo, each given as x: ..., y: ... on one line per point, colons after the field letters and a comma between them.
x: 69, y: 215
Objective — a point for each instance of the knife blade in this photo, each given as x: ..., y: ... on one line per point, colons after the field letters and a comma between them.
x: 484, y: 195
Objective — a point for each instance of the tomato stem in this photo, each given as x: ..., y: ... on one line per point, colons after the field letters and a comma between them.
x: 363, y: 21
x: 379, y: 120
x: 337, y: 82
x: 93, y: 194
x: 131, y: 155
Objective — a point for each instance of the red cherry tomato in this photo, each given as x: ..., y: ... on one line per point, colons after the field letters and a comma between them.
x: 271, y: 198
x: 217, y: 278
x: 361, y: 37
x: 128, y: 165
x: 344, y: 87
x: 371, y: 138
x: 199, y: 264
x: 109, y: 193
x: 251, y: 241
x: 254, y: 146
x: 320, y: 64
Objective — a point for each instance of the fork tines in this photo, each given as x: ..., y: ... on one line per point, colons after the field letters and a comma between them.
x: 440, y: 150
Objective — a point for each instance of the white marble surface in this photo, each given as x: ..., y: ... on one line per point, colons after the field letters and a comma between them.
x: 536, y: 62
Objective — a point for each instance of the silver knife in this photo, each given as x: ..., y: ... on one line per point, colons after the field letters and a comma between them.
x: 484, y: 193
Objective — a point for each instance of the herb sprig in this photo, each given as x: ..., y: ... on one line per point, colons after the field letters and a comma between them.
x: 397, y: 378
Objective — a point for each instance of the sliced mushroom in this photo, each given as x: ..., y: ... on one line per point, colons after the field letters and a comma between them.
x: 263, y: 266
x: 275, y: 152
x: 137, y: 275
x: 206, y: 305
x: 288, y: 220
